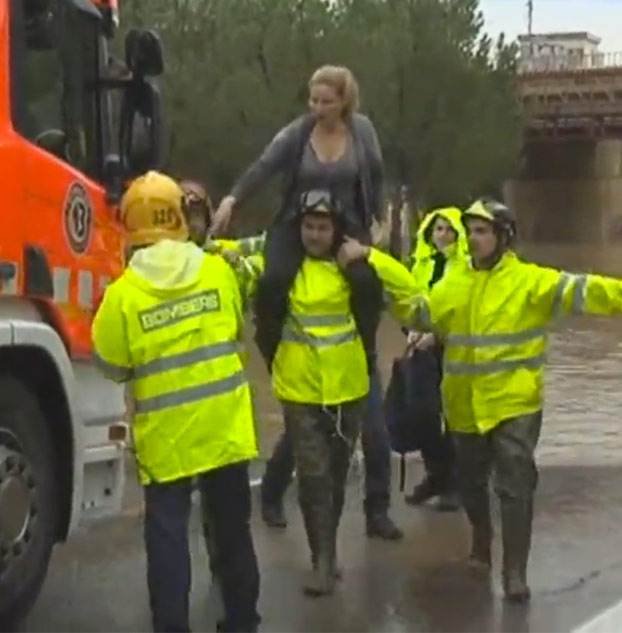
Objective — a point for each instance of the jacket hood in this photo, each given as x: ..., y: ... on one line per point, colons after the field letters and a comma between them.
x: 425, y: 248
x: 166, y: 266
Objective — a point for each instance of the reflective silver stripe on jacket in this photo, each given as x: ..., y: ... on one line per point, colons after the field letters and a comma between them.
x: 558, y: 300
x: 319, y: 320
x: 292, y: 336
x: 185, y: 359
x: 493, y: 367
x: 490, y: 340
x: 118, y: 373
x: 422, y: 313
x: 188, y: 395
x: 578, y: 294
x: 252, y: 245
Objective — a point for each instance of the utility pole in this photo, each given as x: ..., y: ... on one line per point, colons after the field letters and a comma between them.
x: 530, y: 27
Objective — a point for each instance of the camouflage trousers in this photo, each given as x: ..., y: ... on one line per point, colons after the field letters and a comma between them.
x: 323, y: 440
x: 506, y: 452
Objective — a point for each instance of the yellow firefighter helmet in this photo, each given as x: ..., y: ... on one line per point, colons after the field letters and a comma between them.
x: 151, y: 210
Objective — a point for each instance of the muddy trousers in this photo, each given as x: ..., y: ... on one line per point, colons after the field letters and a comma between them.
x: 323, y: 440
x: 508, y: 453
x: 376, y: 451
x: 167, y: 510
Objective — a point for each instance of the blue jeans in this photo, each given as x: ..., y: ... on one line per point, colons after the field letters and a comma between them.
x: 168, y: 558
x: 376, y: 451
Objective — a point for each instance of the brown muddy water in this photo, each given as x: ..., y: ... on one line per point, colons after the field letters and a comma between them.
x: 583, y: 410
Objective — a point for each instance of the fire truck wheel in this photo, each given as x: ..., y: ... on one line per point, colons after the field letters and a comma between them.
x: 28, y: 500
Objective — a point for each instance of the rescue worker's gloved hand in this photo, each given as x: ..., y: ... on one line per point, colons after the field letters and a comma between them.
x: 232, y: 257
x: 350, y: 251
x: 419, y: 341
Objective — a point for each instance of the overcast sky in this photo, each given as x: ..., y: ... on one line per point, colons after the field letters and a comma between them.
x: 600, y: 17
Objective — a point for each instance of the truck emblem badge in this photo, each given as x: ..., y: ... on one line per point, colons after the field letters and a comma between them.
x: 78, y: 218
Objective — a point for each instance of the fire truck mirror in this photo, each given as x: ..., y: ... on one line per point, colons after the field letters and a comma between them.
x: 141, y: 128
x: 143, y: 53
x: 113, y: 178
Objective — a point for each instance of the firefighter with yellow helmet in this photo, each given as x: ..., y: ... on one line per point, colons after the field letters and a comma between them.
x: 170, y: 326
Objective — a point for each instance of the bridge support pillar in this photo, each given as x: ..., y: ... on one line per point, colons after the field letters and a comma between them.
x: 569, y: 191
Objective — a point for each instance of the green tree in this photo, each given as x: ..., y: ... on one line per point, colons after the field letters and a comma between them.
x: 440, y: 92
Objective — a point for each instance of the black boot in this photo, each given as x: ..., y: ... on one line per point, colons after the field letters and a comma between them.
x: 448, y: 501
x: 380, y: 525
x: 276, y: 479
x: 516, y: 521
x: 423, y: 492
x: 273, y: 514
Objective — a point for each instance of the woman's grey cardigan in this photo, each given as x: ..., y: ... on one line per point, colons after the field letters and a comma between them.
x: 284, y: 153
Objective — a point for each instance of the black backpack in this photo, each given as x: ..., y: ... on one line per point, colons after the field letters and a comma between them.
x: 412, y: 403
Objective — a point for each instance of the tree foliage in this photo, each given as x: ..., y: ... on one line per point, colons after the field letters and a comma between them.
x: 440, y: 92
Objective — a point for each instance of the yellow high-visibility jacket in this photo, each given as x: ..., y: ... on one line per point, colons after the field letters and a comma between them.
x: 321, y: 359
x: 171, y: 326
x: 245, y: 246
x: 493, y: 325
x: 424, y: 253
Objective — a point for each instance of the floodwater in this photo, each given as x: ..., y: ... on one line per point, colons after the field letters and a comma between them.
x: 583, y: 396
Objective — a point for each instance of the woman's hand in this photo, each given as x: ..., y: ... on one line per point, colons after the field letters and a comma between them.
x: 350, y: 251
x: 222, y: 217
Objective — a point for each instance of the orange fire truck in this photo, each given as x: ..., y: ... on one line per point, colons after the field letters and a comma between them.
x: 75, y: 123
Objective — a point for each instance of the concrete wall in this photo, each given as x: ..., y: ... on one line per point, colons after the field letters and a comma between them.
x: 569, y: 192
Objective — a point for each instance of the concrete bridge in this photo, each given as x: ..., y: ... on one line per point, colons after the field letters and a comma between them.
x: 569, y: 183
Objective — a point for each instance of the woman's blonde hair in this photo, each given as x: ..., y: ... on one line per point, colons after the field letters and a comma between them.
x: 343, y: 82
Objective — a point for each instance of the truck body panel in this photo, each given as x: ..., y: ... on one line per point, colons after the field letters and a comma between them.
x: 61, y: 245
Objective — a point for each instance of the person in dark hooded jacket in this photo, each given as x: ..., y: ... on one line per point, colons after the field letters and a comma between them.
x: 441, y: 242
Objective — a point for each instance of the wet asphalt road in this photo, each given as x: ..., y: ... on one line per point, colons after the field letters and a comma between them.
x: 97, y: 583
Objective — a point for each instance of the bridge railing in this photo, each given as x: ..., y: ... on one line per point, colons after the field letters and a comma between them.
x: 569, y: 62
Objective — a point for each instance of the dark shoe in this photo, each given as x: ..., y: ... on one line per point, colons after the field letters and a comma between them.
x: 273, y: 515
x: 448, y: 502
x: 381, y: 526
x: 422, y: 493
